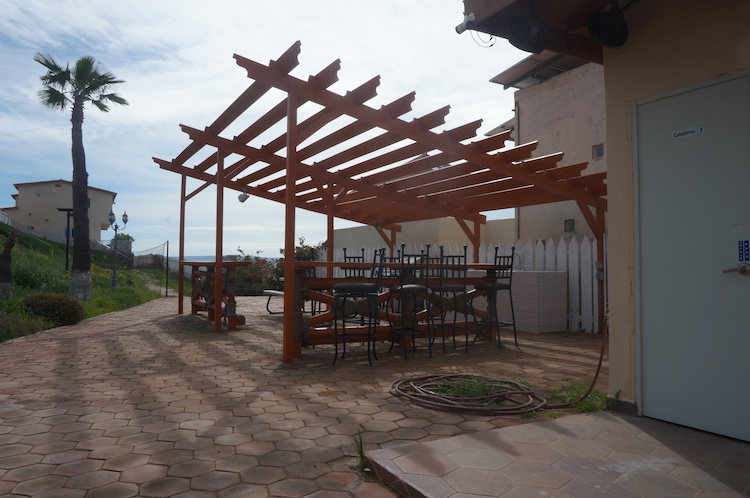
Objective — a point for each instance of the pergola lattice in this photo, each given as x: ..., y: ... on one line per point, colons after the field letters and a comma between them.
x: 355, y: 162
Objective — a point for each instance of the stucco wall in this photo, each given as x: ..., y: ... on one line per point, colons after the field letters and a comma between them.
x: 565, y: 114
x: 41, y: 211
x: 673, y: 44
x: 441, y: 231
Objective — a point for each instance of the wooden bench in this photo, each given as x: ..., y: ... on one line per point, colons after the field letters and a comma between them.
x: 271, y: 293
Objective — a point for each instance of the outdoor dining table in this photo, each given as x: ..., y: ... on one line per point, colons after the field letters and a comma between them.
x: 317, y: 329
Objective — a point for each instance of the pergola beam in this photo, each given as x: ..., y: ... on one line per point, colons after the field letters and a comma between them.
x: 366, y: 114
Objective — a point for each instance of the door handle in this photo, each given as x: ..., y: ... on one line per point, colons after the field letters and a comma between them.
x: 742, y: 269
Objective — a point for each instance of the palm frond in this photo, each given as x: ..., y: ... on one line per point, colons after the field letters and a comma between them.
x: 48, y: 61
x: 53, y: 98
x: 56, y: 76
x: 84, y: 73
x: 115, y: 99
x: 102, y: 101
x: 88, y: 80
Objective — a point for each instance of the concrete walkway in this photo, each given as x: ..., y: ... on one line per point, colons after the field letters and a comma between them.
x: 145, y: 402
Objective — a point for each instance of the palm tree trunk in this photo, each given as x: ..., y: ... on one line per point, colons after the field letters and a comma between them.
x: 80, y: 275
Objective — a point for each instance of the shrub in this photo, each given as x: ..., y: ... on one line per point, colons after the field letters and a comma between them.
x: 59, y: 309
x: 14, y: 325
x: 259, y: 274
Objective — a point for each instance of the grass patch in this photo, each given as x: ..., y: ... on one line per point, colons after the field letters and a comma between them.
x: 132, y: 290
x: 18, y: 323
x: 467, y: 387
x: 596, y: 401
x: 359, y: 452
x: 39, y: 267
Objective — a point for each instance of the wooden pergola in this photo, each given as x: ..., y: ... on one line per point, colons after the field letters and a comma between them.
x: 351, y: 161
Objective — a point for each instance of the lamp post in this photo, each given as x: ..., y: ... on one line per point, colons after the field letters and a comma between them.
x: 69, y: 212
x: 113, y: 223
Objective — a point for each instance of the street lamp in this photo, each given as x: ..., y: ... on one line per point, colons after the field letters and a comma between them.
x: 113, y: 223
x: 69, y: 212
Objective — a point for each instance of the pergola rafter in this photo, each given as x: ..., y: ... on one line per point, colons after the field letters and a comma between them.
x: 355, y: 162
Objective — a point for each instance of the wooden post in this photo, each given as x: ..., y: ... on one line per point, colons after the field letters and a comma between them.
x: 218, y: 270
x: 180, y: 268
x: 290, y: 310
x: 330, y: 242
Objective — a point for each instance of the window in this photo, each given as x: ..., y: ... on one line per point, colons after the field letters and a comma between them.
x: 597, y: 152
x: 37, y: 195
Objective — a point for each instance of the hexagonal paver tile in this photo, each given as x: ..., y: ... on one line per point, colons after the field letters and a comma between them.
x: 166, y: 486
x: 476, y: 458
x: 236, y: 463
x: 536, y: 474
x: 78, y: 467
x: 191, y: 468
x: 307, y: 470
x: 589, y: 469
x: 115, y: 489
x: 278, y: 458
x: 144, y: 473
x: 91, y: 480
x: 29, y: 472
x: 171, y: 457
x: 531, y: 453
x: 478, y: 482
x: 41, y: 485
x: 425, y: 464
x: 262, y: 475
x: 292, y: 488
x: 214, y: 481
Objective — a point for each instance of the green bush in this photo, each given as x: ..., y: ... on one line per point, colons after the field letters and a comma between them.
x: 14, y: 325
x: 59, y: 309
x: 260, y: 273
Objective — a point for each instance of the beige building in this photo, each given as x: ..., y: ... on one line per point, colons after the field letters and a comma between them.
x: 443, y: 231
x: 560, y: 104
x: 38, y: 203
x: 678, y: 148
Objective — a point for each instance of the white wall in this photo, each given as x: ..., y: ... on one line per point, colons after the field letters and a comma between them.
x: 443, y: 231
x: 565, y: 114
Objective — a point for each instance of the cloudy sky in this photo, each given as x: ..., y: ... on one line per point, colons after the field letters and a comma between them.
x: 176, y: 59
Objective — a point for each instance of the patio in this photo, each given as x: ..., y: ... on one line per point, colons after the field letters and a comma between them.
x: 148, y: 403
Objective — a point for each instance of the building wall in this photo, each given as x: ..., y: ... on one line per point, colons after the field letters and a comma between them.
x: 443, y: 231
x: 37, y: 203
x: 565, y: 113
x: 673, y: 44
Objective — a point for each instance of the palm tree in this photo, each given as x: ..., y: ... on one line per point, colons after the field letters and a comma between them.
x: 87, y: 81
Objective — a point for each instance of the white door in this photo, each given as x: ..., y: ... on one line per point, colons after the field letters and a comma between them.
x: 693, y: 188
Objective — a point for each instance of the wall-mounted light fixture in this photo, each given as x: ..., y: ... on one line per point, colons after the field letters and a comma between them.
x: 468, y: 23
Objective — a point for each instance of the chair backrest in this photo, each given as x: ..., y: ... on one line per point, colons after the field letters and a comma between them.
x: 504, y: 265
x: 453, y: 266
x: 356, y: 258
x: 378, y: 260
x: 414, y: 267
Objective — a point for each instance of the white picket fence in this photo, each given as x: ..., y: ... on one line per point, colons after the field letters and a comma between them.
x: 576, y: 257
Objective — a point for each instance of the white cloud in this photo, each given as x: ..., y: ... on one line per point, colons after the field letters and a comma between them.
x: 176, y: 58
